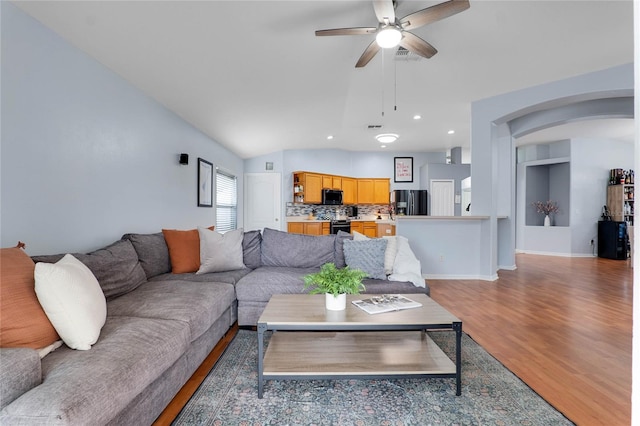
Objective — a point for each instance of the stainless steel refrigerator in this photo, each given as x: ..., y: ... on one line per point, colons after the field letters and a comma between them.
x: 410, y: 202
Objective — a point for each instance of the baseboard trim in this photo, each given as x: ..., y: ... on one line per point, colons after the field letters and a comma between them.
x: 493, y: 277
x: 508, y: 267
x: 551, y: 253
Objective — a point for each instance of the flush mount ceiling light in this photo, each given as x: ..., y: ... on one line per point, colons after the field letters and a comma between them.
x: 388, y: 37
x: 387, y: 137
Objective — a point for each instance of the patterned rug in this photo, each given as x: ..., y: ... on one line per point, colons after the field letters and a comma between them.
x: 491, y: 395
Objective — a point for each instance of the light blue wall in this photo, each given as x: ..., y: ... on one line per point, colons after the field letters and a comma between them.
x: 492, y: 145
x: 85, y: 156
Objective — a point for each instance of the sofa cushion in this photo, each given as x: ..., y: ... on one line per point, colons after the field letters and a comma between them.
x: 389, y: 253
x: 116, y: 267
x: 197, y: 304
x: 339, y: 253
x: 251, y: 243
x: 220, y: 252
x: 92, y: 387
x: 72, y: 299
x: 230, y: 277
x: 23, y: 322
x: 20, y: 372
x: 368, y: 256
x: 296, y: 250
x: 153, y: 252
x: 262, y: 283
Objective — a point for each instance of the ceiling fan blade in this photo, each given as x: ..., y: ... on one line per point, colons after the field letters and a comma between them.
x: 384, y: 9
x: 346, y: 31
x: 415, y: 44
x: 368, y: 54
x: 433, y: 14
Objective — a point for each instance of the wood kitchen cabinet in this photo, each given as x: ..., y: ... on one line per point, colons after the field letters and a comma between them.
x: 357, y: 227
x: 308, y: 228
x: 307, y: 188
x: 381, y: 189
x: 373, y: 191
x: 370, y: 229
x: 365, y: 191
x: 349, y: 191
x: 327, y: 181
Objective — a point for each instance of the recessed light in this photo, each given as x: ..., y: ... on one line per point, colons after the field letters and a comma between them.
x: 417, y: 117
x: 451, y: 132
x: 383, y: 146
x: 387, y: 137
x: 330, y: 137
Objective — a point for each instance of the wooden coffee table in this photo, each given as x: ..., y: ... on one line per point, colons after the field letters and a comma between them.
x: 310, y: 342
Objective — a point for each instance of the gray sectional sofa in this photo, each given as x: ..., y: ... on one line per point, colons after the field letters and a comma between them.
x: 160, y: 327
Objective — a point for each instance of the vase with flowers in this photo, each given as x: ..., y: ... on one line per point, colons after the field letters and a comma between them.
x: 546, y: 208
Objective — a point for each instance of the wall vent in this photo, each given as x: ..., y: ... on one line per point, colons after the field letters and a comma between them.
x: 374, y: 126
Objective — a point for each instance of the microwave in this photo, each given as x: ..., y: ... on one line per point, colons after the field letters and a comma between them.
x: 332, y: 197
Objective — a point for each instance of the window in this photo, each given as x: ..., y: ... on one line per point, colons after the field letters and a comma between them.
x: 226, y: 201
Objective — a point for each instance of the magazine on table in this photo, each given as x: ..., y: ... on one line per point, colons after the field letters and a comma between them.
x: 386, y: 303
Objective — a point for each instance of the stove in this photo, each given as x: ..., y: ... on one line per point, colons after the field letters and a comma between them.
x: 340, y: 225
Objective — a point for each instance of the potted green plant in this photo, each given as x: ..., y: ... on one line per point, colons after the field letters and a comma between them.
x: 335, y: 283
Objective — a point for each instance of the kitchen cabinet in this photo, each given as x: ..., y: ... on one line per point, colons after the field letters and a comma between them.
x: 327, y: 181
x: 349, y: 191
x: 373, y: 191
x: 381, y: 189
x: 357, y: 227
x: 370, y: 229
x: 308, y: 228
x: 295, y: 227
x: 307, y: 188
x: 336, y: 182
x: 620, y: 202
x: 365, y: 191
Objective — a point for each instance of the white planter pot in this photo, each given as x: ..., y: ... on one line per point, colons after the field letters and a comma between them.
x: 335, y: 303
x: 547, y: 221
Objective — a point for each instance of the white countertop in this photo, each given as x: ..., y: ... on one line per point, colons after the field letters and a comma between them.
x: 441, y: 217
x: 306, y: 219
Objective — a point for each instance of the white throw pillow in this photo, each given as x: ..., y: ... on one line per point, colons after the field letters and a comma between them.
x: 220, y: 252
x: 72, y: 299
x: 406, y: 266
x: 389, y: 253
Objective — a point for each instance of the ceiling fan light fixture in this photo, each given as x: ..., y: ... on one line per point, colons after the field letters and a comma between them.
x: 387, y: 137
x: 388, y: 37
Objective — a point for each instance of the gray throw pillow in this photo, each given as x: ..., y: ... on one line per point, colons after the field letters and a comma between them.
x: 368, y: 256
x: 116, y: 267
x: 152, y: 251
x: 220, y: 252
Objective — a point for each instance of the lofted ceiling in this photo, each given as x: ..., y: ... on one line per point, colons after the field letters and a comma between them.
x: 253, y: 76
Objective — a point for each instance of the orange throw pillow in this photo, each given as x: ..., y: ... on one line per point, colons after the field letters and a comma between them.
x: 184, y: 249
x: 23, y: 323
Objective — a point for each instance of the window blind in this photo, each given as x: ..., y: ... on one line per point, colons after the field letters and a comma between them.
x: 226, y: 201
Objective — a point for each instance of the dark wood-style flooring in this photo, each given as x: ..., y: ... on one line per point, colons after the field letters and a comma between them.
x: 563, y: 325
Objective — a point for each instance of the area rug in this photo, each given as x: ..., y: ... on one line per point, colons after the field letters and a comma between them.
x: 491, y: 395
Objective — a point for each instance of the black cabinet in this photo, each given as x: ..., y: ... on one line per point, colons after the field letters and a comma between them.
x: 612, y: 239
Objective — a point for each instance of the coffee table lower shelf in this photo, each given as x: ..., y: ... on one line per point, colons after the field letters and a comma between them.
x: 353, y: 354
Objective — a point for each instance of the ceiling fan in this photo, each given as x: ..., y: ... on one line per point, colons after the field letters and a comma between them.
x: 392, y: 31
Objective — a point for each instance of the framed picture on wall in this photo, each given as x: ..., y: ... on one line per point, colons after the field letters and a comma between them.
x: 205, y: 183
x: 403, y: 169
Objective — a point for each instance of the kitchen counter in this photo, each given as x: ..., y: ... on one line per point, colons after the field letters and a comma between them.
x: 306, y: 219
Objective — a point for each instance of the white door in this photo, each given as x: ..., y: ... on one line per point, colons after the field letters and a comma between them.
x: 262, y: 201
x: 442, y: 197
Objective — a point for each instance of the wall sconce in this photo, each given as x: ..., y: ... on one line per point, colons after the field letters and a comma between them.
x: 184, y: 159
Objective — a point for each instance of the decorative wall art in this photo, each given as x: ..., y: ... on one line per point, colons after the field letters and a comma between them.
x: 403, y: 169
x: 205, y: 183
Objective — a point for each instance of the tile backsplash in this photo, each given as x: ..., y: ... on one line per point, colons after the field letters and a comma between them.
x: 330, y: 212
